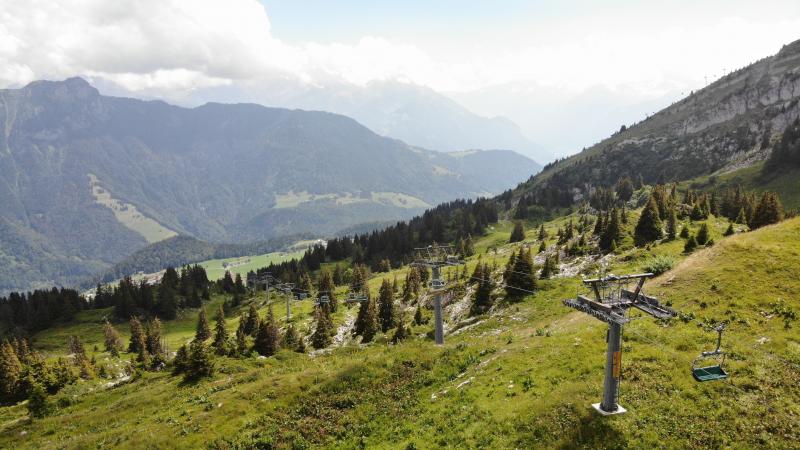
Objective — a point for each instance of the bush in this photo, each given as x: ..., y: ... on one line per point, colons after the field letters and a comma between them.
x: 659, y: 264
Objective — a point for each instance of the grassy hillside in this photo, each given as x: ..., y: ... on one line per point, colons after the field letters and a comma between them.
x: 522, y: 376
x: 243, y: 264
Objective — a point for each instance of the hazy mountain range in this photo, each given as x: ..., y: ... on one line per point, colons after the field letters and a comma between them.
x: 88, y: 179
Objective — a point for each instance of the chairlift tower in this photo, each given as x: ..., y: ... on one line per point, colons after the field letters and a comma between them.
x: 437, y: 256
x: 265, y: 279
x: 287, y: 290
x: 611, y: 303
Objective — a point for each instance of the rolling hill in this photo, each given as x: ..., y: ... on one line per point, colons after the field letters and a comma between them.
x: 87, y: 179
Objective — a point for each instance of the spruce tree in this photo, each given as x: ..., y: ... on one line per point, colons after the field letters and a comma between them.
x: 400, y: 332
x: 203, y: 331
x: 386, y: 306
x: 730, y: 231
x: 323, y: 327
x: 241, y: 342
x: 542, y: 247
x: 612, y: 231
x: 649, y: 227
x: 290, y: 337
x: 518, y: 234
x: 199, y: 361
x: 542, y: 233
x: 220, y: 342
x: 111, y: 339
x: 768, y: 211
x: 181, y: 361
x: 702, y: 235
x: 153, y: 338
x: 137, y: 341
x: 522, y: 280
x: 10, y: 370
x: 251, y: 323
x: 684, y: 231
x: 166, y: 302
x: 267, y: 340
x: 690, y: 245
x: 418, y: 319
x: 672, y: 225
x: 483, y: 293
x: 366, y: 324
x: 38, y: 403
x: 327, y: 286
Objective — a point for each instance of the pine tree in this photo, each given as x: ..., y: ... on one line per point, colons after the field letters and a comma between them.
x: 684, y: 231
x: 730, y: 231
x: 251, y: 323
x: 469, y: 246
x: 137, y: 341
x: 518, y: 234
x: 672, y: 225
x: 220, y: 342
x: 199, y: 361
x: 112, y: 340
x: 690, y: 245
x: 241, y: 341
x: 301, y: 345
x: 649, y: 227
x: 542, y: 233
x: 483, y: 292
x: 386, y: 306
x: 153, y: 338
x: 768, y: 211
x: 702, y: 235
x: 612, y: 231
x: 522, y: 280
x: 166, y: 302
x: 38, y: 403
x: 203, y: 331
x: 181, y: 361
x: 400, y: 332
x: 321, y: 337
x: 267, y: 340
x: 10, y: 370
x: 290, y: 337
x: 327, y: 286
x: 542, y: 247
x: 366, y: 324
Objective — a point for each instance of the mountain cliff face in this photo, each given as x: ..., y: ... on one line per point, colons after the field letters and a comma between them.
x: 730, y: 124
x: 87, y: 179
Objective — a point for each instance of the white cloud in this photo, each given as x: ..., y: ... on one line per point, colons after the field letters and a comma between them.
x: 174, y: 46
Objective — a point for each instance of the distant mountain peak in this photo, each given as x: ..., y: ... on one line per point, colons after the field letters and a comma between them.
x: 75, y: 87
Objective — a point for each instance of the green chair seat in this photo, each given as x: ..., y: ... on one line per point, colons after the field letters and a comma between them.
x: 709, y: 373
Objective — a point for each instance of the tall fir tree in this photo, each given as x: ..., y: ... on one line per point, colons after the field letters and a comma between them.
x: 386, y: 310
x: 327, y: 287
x: 518, y: 233
x: 323, y: 327
x: 111, y: 339
x: 251, y: 322
x: 202, y: 332
x: 768, y: 211
x: 649, y: 228
x: 483, y: 292
x: 153, y: 337
x: 702, y: 235
x: 522, y: 278
x: 220, y: 342
x: 267, y: 340
x: 10, y: 371
x: 137, y: 341
x: 199, y: 362
x: 366, y: 324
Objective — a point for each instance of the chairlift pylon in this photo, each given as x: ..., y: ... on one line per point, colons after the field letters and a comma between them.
x: 716, y: 370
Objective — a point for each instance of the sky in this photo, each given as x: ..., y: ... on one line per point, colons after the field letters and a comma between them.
x: 171, y: 48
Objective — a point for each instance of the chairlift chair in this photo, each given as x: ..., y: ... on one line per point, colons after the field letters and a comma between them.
x: 323, y: 299
x: 436, y: 284
x: 709, y: 366
x: 301, y: 296
x: 355, y: 298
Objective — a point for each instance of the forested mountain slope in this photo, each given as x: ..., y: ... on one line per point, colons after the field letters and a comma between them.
x: 86, y: 179
x: 732, y: 123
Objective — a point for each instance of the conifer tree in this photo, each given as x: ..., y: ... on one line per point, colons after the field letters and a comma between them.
x: 612, y: 231
x: 542, y: 247
x: 321, y: 337
x: 684, y: 231
x: 203, y: 331
x: 768, y: 211
x: 702, y: 235
x: 267, y: 340
x: 483, y: 292
x: 741, y: 218
x: 366, y: 324
x: 599, y: 225
x: 469, y: 246
x: 518, y: 234
x: 386, y: 306
x: 10, y: 370
x: 166, y: 302
x: 38, y: 403
x: 301, y: 345
x: 690, y: 245
x: 522, y: 280
x: 181, y: 361
x: 199, y: 361
x: 542, y: 233
x: 137, y: 341
x: 153, y: 338
x: 649, y: 227
x: 241, y: 341
x: 112, y: 340
x: 290, y: 337
x: 220, y: 342
x: 251, y: 323
x: 672, y: 225
x: 730, y: 231
x: 327, y: 286
x: 400, y: 332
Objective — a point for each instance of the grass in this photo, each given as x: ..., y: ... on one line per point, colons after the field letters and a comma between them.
x: 242, y: 265
x: 521, y: 377
x: 128, y: 215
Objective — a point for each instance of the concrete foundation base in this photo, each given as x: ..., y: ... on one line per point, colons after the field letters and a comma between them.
x: 620, y: 410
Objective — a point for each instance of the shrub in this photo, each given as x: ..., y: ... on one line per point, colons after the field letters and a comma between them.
x: 659, y: 264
